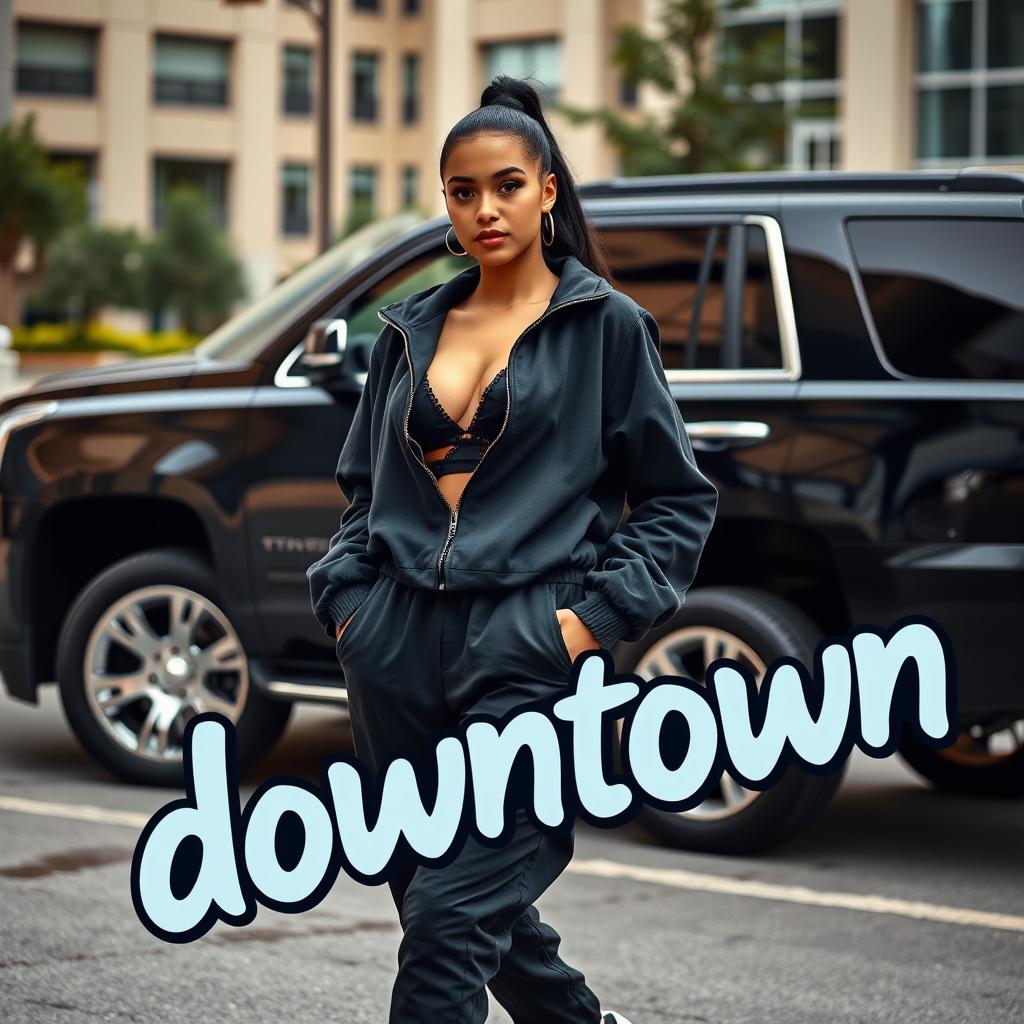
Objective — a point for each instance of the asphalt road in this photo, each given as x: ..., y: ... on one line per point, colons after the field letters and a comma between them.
x: 898, y: 905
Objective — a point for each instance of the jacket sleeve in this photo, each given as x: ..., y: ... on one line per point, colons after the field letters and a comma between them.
x: 651, y: 560
x: 340, y: 581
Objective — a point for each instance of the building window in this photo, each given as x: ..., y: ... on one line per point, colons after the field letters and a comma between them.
x: 56, y: 60
x: 363, y: 191
x: 84, y: 166
x: 298, y: 80
x: 970, y: 81
x: 410, y: 88
x: 945, y: 295
x: 364, y: 86
x: 191, y: 71
x: 627, y: 93
x: 410, y: 185
x: 539, y: 60
x: 209, y: 177
x: 295, y: 199
x: 803, y: 42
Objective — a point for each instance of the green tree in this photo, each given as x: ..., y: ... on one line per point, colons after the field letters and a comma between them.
x: 717, y: 125
x: 360, y: 212
x: 37, y: 202
x: 189, y: 265
x: 92, y: 267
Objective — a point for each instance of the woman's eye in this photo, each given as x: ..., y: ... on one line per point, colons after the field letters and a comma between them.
x: 518, y: 185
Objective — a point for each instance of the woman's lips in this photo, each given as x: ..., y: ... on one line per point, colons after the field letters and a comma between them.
x: 493, y: 242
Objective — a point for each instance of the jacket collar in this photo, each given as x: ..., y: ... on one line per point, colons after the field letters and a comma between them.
x: 420, y: 314
x: 575, y: 281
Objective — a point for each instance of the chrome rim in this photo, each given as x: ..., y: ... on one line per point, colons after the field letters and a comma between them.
x: 688, y: 652
x: 986, y: 743
x: 157, y: 657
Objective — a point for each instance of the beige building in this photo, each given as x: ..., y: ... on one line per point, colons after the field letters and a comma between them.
x: 147, y: 93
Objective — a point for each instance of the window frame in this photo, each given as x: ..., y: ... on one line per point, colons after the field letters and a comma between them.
x: 92, y: 35
x: 781, y: 292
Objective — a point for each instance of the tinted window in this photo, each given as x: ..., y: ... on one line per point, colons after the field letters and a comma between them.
x: 679, y: 274
x: 945, y: 295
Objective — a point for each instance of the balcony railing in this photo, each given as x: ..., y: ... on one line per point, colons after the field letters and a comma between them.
x: 56, y: 81
x: 190, y: 92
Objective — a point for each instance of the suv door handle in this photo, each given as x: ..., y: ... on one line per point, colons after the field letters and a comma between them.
x: 715, y: 435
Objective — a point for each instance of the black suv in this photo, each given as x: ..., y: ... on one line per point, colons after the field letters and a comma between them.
x: 848, y: 355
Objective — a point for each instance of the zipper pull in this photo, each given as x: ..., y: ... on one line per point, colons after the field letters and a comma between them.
x: 452, y: 523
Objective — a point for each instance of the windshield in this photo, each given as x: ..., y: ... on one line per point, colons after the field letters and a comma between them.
x: 246, y: 333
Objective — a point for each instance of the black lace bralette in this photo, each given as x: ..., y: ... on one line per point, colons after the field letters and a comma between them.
x: 432, y: 427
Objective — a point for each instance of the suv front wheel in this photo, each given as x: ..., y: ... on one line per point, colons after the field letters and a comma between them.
x: 144, y: 647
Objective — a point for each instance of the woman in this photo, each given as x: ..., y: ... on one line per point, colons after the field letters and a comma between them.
x: 448, y: 598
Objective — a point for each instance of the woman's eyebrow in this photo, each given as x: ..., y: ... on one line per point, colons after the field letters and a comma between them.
x: 496, y: 174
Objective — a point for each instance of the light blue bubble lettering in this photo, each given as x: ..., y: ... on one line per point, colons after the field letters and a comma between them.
x: 401, y: 809
x: 261, y: 860
x: 491, y: 755
x: 787, y: 716
x: 645, y: 762
x: 210, y: 821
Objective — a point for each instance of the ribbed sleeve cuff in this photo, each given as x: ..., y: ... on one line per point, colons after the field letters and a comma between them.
x: 342, y: 603
x: 607, y: 625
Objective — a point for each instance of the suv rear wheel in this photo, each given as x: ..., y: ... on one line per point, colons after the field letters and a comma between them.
x: 753, y: 627
x: 145, y: 646
x: 987, y: 759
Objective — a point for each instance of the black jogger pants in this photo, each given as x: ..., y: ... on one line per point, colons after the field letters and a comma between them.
x: 415, y: 662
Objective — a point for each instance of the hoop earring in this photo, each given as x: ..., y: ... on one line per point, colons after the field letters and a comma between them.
x: 551, y: 221
x: 449, y: 248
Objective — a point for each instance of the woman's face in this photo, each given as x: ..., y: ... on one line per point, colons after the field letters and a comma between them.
x: 479, y: 198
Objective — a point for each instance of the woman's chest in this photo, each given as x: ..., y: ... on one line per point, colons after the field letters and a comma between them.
x: 472, y: 351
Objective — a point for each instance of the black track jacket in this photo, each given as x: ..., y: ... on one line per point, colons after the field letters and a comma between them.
x: 590, y: 423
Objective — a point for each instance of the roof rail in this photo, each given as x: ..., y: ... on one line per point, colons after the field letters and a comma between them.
x: 972, y: 179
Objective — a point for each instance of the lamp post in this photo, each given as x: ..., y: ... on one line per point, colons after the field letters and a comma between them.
x: 320, y: 13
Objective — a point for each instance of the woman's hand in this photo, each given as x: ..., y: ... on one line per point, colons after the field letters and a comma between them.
x: 575, y: 635
x: 341, y: 628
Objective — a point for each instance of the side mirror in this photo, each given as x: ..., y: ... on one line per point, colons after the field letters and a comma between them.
x: 325, y: 346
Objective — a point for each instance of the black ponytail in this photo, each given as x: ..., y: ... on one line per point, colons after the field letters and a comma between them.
x: 510, y: 106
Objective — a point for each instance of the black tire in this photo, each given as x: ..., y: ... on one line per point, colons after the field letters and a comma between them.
x: 771, y: 627
x: 967, y: 767
x: 259, y: 723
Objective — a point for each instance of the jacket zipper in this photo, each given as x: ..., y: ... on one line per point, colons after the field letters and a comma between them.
x: 453, y: 521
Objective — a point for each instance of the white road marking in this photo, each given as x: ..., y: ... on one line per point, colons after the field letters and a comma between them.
x: 77, y: 812
x: 674, y: 878
x: 677, y: 878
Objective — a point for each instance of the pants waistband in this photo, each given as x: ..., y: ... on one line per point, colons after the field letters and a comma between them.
x: 558, y: 574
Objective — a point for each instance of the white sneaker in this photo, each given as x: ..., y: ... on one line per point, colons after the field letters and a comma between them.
x: 613, y: 1017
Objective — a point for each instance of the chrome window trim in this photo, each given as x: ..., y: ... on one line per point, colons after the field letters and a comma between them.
x: 785, y: 316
